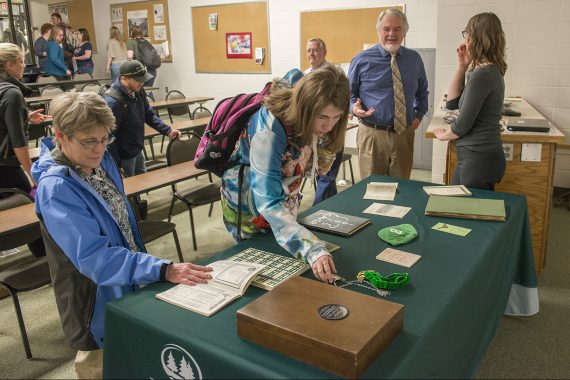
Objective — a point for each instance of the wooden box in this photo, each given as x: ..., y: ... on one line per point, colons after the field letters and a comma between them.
x: 286, y: 320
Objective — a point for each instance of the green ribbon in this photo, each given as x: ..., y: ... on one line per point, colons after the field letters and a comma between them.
x: 393, y: 281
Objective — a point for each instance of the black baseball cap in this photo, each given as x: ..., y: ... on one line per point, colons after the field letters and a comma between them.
x: 136, y: 70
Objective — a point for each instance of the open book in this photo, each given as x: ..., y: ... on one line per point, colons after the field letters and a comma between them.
x: 229, y: 281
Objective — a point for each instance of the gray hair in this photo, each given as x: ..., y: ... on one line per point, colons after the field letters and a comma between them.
x: 396, y: 12
x: 8, y: 53
x: 80, y: 112
x: 322, y: 44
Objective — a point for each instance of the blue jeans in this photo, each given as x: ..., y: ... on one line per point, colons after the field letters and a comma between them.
x: 133, y: 166
x: 326, y: 184
x: 115, y: 73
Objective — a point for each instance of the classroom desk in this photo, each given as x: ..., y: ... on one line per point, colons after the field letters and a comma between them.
x: 160, y: 104
x: 67, y: 82
x: 182, y: 126
x: 453, y: 305
x: 20, y: 217
x: 162, y: 177
x: 533, y: 179
x: 17, y: 218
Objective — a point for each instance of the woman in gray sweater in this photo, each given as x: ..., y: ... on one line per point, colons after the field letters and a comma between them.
x: 477, y: 129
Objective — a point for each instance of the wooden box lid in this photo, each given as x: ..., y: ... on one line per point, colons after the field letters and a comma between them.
x: 286, y: 320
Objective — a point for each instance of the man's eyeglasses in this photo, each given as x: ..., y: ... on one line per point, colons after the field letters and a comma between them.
x: 92, y: 143
x: 465, y: 34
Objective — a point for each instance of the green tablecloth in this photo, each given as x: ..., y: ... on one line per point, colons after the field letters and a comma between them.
x: 453, y: 305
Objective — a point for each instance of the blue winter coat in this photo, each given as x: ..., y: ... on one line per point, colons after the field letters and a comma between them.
x: 81, y: 224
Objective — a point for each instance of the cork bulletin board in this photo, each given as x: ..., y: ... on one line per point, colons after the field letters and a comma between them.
x: 80, y: 15
x: 151, y: 17
x: 242, y: 21
x: 344, y: 31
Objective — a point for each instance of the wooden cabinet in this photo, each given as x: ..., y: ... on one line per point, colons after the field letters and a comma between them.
x: 534, y: 179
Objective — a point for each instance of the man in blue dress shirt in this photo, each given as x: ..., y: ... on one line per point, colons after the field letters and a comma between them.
x: 380, y: 149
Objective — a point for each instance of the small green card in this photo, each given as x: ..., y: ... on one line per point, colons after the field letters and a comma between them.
x: 450, y: 229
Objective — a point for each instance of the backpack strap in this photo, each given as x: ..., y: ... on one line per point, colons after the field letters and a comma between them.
x: 120, y: 97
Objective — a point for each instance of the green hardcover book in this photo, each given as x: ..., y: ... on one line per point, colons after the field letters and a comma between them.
x: 467, y: 208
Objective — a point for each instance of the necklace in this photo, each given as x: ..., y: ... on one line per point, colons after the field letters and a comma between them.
x: 374, y: 281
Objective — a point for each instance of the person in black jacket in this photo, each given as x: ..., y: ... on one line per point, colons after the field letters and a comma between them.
x: 127, y: 100
x: 15, y: 162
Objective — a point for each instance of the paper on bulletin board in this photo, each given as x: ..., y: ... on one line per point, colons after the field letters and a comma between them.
x: 139, y: 18
x: 162, y: 49
x: 160, y: 32
x: 116, y: 14
x: 158, y: 11
x: 213, y: 21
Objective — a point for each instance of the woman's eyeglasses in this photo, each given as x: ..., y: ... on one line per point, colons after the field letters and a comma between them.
x: 92, y: 143
x: 465, y: 34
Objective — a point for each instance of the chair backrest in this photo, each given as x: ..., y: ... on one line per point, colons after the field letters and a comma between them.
x: 51, y: 90
x: 182, y: 150
x: 82, y: 76
x: 177, y: 110
x: 46, y: 79
x: 10, y: 198
x: 92, y: 87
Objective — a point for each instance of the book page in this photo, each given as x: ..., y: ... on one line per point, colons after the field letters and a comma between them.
x: 229, y: 281
x: 387, y: 210
x: 381, y: 191
x: 277, y: 268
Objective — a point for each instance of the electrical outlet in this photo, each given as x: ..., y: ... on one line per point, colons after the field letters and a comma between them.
x: 166, y: 89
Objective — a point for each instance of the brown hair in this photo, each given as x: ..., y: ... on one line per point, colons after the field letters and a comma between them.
x: 46, y: 28
x: 84, y: 34
x: 321, y: 43
x: 301, y: 105
x: 136, y: 32
x: 486, y: 41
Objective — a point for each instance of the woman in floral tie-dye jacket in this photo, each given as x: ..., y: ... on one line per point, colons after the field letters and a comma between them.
x: 277, y: 149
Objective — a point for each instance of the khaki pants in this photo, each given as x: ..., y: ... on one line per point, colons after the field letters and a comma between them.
x: 385, y: 153
x: 89, y: 364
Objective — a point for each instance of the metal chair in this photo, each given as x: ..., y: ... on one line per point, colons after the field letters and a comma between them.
x: 82, y: 76
x: 51, y: 90
x: 153, y: 229
x: 183, y: 150
x: 177, y: 110
x: 92, y: 87
x: 46, y: 79
x: 25, y: 276
x: 201, y: 111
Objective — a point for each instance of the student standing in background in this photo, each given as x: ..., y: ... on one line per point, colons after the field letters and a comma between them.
x: 116, y: 52
x: 55, y: 64
x: 40, y: 46
x: 326, y: 184
x: 83, y: 53
x: 477, y: 89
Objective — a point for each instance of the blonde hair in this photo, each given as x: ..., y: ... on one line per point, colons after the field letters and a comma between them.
x: 301, y: 105
x: 54, y: 31
x: 84, y: 112
x: 9, y: 52
x: 115, y: 34
x: 486, y: 41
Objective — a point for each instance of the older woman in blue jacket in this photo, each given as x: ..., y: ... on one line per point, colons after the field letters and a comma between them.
x: 96, y: 253
x: 55, y: 65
